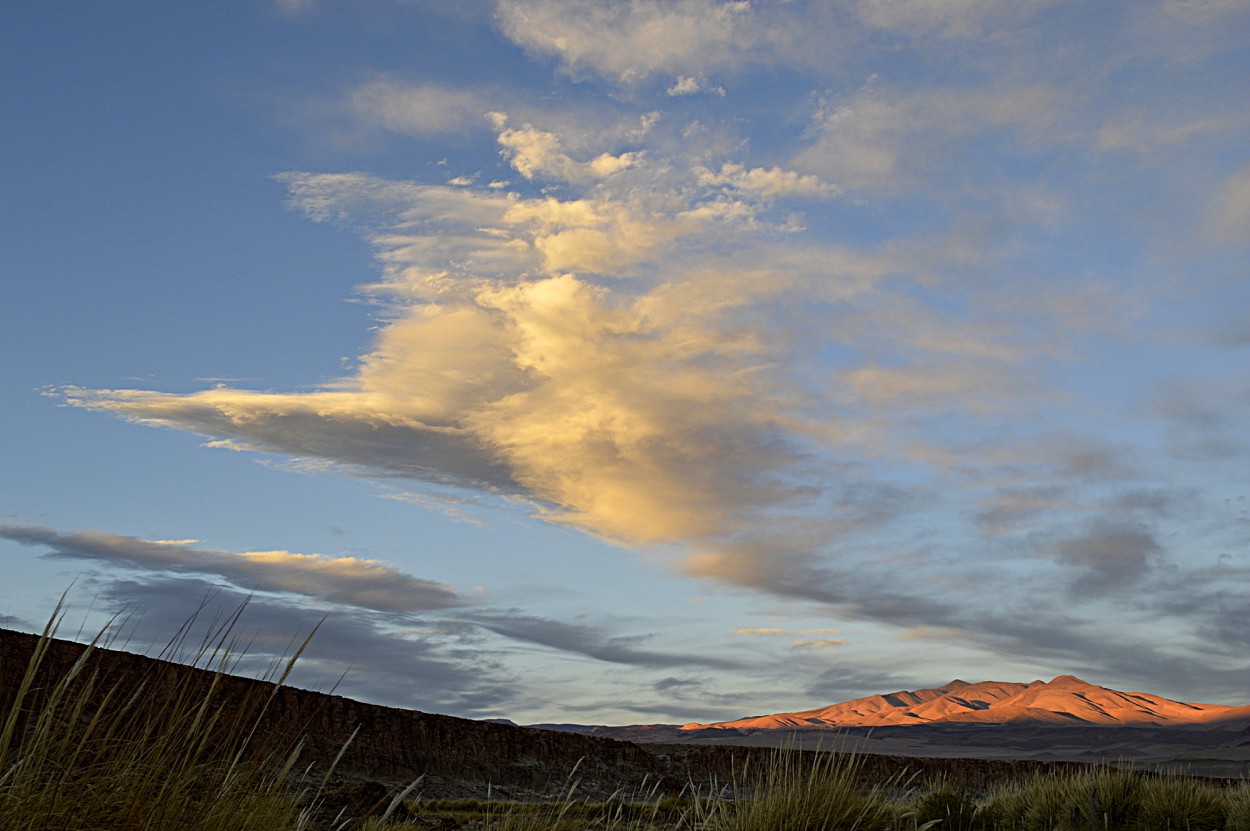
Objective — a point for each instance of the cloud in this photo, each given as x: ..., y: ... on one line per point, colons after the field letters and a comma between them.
x: 949, y: 18
x: 690, y: 85
x: 11, y: 622
x: 846, y: 683
x: 1110, y: 557
x: 366, y: 584
x: 630, y: 42
x: 769, y: 182
x: 539, y: 153
x: 818, y: 644
x: 801, y: 643
x: 1232, y: 219
x: 1203, y: 11
x: 655, y: 411
x: 381, y: 624
x: 296, y: 7
x: 702, y: 692
x: 881, y: 139
x: 589, y: 641
x: 357, y: 654
x: 417, y: 109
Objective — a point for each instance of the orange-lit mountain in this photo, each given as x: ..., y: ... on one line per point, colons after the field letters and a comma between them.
x: 1064, y: 700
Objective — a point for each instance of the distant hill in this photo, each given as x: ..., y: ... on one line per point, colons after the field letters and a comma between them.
x: 1065, y: 719
x: 1065, y: 700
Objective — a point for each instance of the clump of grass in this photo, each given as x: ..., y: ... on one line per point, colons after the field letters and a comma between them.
x: 798, y: 793
x: 1237, y: 802
x: 1006, y: 805
x: 1110, y: 799
x: 1112, y: 796
x: 945, y: 806
x: 1182, y: 803
x: 79, y: 750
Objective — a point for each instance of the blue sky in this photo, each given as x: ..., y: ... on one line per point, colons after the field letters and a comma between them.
x: 636, y: 362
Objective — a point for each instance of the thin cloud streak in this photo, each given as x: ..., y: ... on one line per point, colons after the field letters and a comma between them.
x: 366, y: 584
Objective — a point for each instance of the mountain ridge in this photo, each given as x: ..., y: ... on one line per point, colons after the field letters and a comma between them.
x: 1064, y: 699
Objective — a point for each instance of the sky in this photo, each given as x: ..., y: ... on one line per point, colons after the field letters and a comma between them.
x: 634, y: 362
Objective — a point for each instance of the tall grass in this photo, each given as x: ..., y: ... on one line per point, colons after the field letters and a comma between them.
x: 1110, y: 799
x: 81, y: 751
x: 797, y: 792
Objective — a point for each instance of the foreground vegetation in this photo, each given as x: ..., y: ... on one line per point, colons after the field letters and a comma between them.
x: 82, y: 751
x: 831, y: 797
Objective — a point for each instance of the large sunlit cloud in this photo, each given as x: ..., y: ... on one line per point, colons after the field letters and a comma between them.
x: 658, y: 410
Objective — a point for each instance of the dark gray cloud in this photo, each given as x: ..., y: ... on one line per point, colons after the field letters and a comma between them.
x: 363, y: 655
x: 702, y: 691
x: 859, y: 591
x: 590, y: 641
x: 1010, y: 508
x: 398, y: 448
x: 1109, y: 556
x: 845, y: 683
x: 1205, y: 420
x: 11, y: 622
x: 1151, y: 501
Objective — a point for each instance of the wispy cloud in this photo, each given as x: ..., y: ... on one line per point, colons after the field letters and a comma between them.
x: 961, y: 18
x: 630, y: 43
x: 589, y: 641
x: 417, y: 109
x: 351, y: 581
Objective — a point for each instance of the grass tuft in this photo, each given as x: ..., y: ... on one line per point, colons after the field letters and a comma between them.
x: 83, y: 752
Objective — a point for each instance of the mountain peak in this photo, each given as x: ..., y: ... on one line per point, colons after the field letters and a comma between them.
x: 1065, y: 699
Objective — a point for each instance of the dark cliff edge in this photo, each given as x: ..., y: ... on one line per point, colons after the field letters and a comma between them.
x: 462, y: 757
